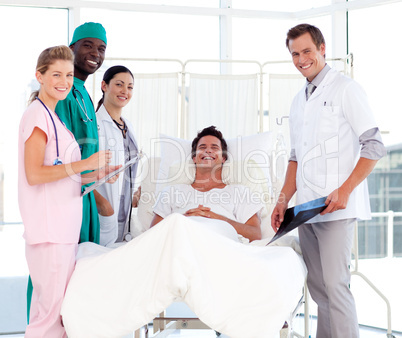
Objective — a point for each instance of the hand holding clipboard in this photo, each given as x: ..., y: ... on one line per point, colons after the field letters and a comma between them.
x: 103, y: 180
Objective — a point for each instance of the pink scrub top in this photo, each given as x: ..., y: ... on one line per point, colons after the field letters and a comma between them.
x: 51, y: 212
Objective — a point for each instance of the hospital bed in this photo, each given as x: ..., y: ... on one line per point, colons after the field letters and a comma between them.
x: 270, y: 156
x: 155, y: 269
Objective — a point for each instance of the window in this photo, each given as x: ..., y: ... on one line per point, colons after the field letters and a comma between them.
x: 373, y: 42
x: 157, y: 35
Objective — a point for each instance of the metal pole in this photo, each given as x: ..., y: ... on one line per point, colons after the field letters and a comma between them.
x: 390, y: 235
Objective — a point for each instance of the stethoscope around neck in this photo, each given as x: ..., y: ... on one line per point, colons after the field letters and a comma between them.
x: 57, y: 161
x: 82, y: 106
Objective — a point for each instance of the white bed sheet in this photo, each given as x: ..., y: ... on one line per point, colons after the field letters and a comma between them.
x: 237, y: 289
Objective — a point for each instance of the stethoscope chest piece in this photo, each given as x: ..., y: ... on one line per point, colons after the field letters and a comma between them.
x: 57, y: 161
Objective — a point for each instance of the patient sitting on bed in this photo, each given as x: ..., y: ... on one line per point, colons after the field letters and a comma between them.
x: 208, y: 196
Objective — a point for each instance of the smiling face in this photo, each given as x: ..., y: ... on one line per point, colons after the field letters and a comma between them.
x: 307, y: 58
x: 56, y: 82
x: 119, y: 90
x: 208, y: 152
x: 89, y: 55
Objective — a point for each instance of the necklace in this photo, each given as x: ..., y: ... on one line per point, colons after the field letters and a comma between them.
x: 122, y: 127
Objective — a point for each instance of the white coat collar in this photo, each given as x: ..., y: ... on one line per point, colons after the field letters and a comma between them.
x: 103, y: 115
x: 326, y: 81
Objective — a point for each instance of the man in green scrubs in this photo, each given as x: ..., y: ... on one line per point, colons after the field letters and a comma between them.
x: 78, y: 113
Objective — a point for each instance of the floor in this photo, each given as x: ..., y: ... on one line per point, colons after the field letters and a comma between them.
x: 365, y: 332
x: 298, y: 325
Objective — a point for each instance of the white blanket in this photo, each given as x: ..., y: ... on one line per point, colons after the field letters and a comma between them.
x: 237, y: 289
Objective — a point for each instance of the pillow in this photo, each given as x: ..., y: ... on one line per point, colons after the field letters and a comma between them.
x: 141, y: 220
x: 247, y: 173
x: 150, y: 168
x: 245, y: 151
x: 249, y: 163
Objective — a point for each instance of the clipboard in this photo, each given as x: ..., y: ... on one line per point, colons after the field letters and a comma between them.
x: 299, y: 215
x: 103, y: 180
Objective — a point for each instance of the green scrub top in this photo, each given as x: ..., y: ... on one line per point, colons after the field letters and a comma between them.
x: 78, y: 113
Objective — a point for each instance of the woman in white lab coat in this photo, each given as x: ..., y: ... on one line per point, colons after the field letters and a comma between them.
x: 114, y: 201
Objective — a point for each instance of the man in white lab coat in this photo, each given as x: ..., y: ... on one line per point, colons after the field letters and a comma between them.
x: 335, y: 144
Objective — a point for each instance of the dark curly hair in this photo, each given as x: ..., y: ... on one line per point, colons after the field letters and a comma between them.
x: 210, y: 131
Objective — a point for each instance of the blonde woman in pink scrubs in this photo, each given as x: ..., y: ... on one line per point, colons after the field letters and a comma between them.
x: 49, y: 187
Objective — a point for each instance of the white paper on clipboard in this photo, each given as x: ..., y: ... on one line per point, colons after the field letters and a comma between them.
x: 112, y: 174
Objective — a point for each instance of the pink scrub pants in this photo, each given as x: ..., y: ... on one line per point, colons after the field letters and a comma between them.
x: 50, y: 267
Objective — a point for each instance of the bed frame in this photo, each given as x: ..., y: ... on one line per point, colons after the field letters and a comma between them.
x: 164, y: 325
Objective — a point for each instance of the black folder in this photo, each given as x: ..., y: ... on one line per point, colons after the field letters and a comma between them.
x: 299, y: 215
